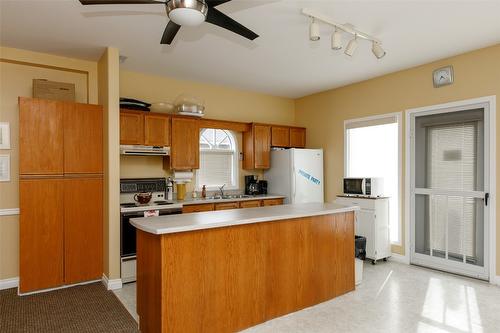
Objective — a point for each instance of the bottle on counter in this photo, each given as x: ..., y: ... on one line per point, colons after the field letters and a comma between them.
x: 170, y: 189
x: 204, y: 192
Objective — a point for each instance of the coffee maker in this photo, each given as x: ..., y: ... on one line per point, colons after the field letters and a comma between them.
x: 251, y: 185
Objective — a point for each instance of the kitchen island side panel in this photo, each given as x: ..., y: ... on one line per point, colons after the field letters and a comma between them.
x: 230, y: 278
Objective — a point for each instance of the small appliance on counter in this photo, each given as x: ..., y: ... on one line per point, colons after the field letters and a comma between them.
x: 262, y: 186
x: 143, y: 197
x: 251, y: 185
x: 368, y: 187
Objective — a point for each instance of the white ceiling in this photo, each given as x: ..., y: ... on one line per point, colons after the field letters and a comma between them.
x: 282, y: 61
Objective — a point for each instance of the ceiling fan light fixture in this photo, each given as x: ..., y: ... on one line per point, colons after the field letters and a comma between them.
x: 187, y: 12
x: 337, y: 40
x: 314, y: 31
x: 351, y: 46
x: 377, y: 50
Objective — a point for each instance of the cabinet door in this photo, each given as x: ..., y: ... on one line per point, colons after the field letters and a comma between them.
x: 83, y: 234
x: 131, y: 128
x: 41, y: 234
x: 297, y: 137
x: 365, y: 226
x: 197, y: 208
x: 262, y: 146
x: 272, y: 202
x: 41, y: 136
x: 83, y: 139
x: 185, y: 148
x: 280, y: 136
x: 250, y: 204
x: 226, y: 205
x: 156, y: 130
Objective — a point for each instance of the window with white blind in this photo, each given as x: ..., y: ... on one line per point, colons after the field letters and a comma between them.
x: 218, y: 159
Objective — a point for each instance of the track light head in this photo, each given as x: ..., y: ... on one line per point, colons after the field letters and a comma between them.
x: 337, y: 40
x: 377, y: 50
x: 314, y: 31
x: 352, y: 46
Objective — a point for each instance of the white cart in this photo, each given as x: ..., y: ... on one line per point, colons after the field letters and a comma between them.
x: 372, y: 222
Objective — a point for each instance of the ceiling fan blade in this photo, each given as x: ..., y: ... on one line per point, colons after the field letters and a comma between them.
x: 119, y: 2
x: 213, y: 3
x: 170, y: 32
x: 222, y: 20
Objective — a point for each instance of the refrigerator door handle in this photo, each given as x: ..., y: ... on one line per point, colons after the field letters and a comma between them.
x: 294, y: 177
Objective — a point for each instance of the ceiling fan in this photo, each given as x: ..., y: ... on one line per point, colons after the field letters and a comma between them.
x: 188, y: 13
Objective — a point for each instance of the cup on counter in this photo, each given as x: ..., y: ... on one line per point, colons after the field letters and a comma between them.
x: 181, y: 191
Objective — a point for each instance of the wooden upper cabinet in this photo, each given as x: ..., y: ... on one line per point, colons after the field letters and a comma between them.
x: 131, y: 128
x: 297, y: 137
x: 280, y: 136
x: 262, y: 146
x: 41, y: 136
x: 83, y: 139
x: 156, y: 130
x: 83, y: 229
x: 41, y: 244
x: 185, y: 148
x: 257, y: 147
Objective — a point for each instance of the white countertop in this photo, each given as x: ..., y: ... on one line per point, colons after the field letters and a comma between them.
x: 198, y: 201
x: 214, y: 219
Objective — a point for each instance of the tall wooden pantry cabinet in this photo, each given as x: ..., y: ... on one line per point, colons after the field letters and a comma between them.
x: 61, y: 193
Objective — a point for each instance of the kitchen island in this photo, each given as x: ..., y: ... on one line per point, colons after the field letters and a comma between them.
x: 224, y: 271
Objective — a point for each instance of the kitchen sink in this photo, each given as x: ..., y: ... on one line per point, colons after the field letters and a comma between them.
x: 235, y: 196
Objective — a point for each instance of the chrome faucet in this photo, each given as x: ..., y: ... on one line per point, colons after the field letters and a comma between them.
x: 221, y: 189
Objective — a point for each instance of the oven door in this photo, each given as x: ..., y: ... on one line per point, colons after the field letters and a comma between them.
x: 354, y: 186
x: 128, y: 236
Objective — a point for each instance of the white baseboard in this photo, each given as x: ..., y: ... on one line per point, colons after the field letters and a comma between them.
x: 112, y: 284
x: 496, y: 280
x: 9, y: 283
x: 400, y: 258
x: 9, y: 211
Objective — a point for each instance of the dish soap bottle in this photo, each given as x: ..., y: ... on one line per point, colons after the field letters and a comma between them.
x: 204, y: 192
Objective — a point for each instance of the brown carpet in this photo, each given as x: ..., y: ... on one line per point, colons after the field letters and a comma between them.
x: 87, y: 308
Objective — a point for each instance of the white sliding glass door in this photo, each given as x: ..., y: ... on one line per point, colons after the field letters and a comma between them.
x: 449, y: 189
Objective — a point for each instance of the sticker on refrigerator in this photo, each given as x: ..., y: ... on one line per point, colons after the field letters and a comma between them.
x: 309, y: 177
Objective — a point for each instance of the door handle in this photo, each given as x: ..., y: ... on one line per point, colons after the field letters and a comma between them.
x: 486, y: 198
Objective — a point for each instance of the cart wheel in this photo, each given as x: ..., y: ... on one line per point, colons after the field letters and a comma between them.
x: 374, y: 262
x: 385, y: 259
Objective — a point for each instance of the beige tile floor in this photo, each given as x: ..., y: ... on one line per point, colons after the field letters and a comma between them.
x: 392, y: 298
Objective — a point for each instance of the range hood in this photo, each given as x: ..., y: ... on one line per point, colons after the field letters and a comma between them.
x: 144, y: 150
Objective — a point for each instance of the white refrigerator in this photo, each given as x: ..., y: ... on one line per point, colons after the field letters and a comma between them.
x: 296, y: 173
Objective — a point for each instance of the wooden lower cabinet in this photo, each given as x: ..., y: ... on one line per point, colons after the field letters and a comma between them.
x: 41, y: 245
x: 197, y: 208
x: 226, y: 205
x: 61, y: 232
x: 250, y: 204
x: 272, y: 202
x: 83, y: 229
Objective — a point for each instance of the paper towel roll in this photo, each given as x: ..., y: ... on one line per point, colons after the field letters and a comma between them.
x: 183, y: 176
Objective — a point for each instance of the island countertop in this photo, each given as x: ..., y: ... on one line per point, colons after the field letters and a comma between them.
x: 215, y: 219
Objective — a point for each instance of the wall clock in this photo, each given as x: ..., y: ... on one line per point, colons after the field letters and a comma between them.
x: 442, y: 76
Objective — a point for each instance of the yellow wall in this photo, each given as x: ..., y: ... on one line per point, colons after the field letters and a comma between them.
x: 109, y: 71
x: 220, y: 102
x: 17, y: 70
x: 477, y: 74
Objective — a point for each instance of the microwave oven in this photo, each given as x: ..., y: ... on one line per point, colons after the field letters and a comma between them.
x: 372, y: 187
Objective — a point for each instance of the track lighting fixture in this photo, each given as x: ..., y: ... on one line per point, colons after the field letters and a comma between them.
x: 337, y: 40
x: 352, y: 46
x: 339, y: 30
x: 377, y: 50
x: 314, y: 31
